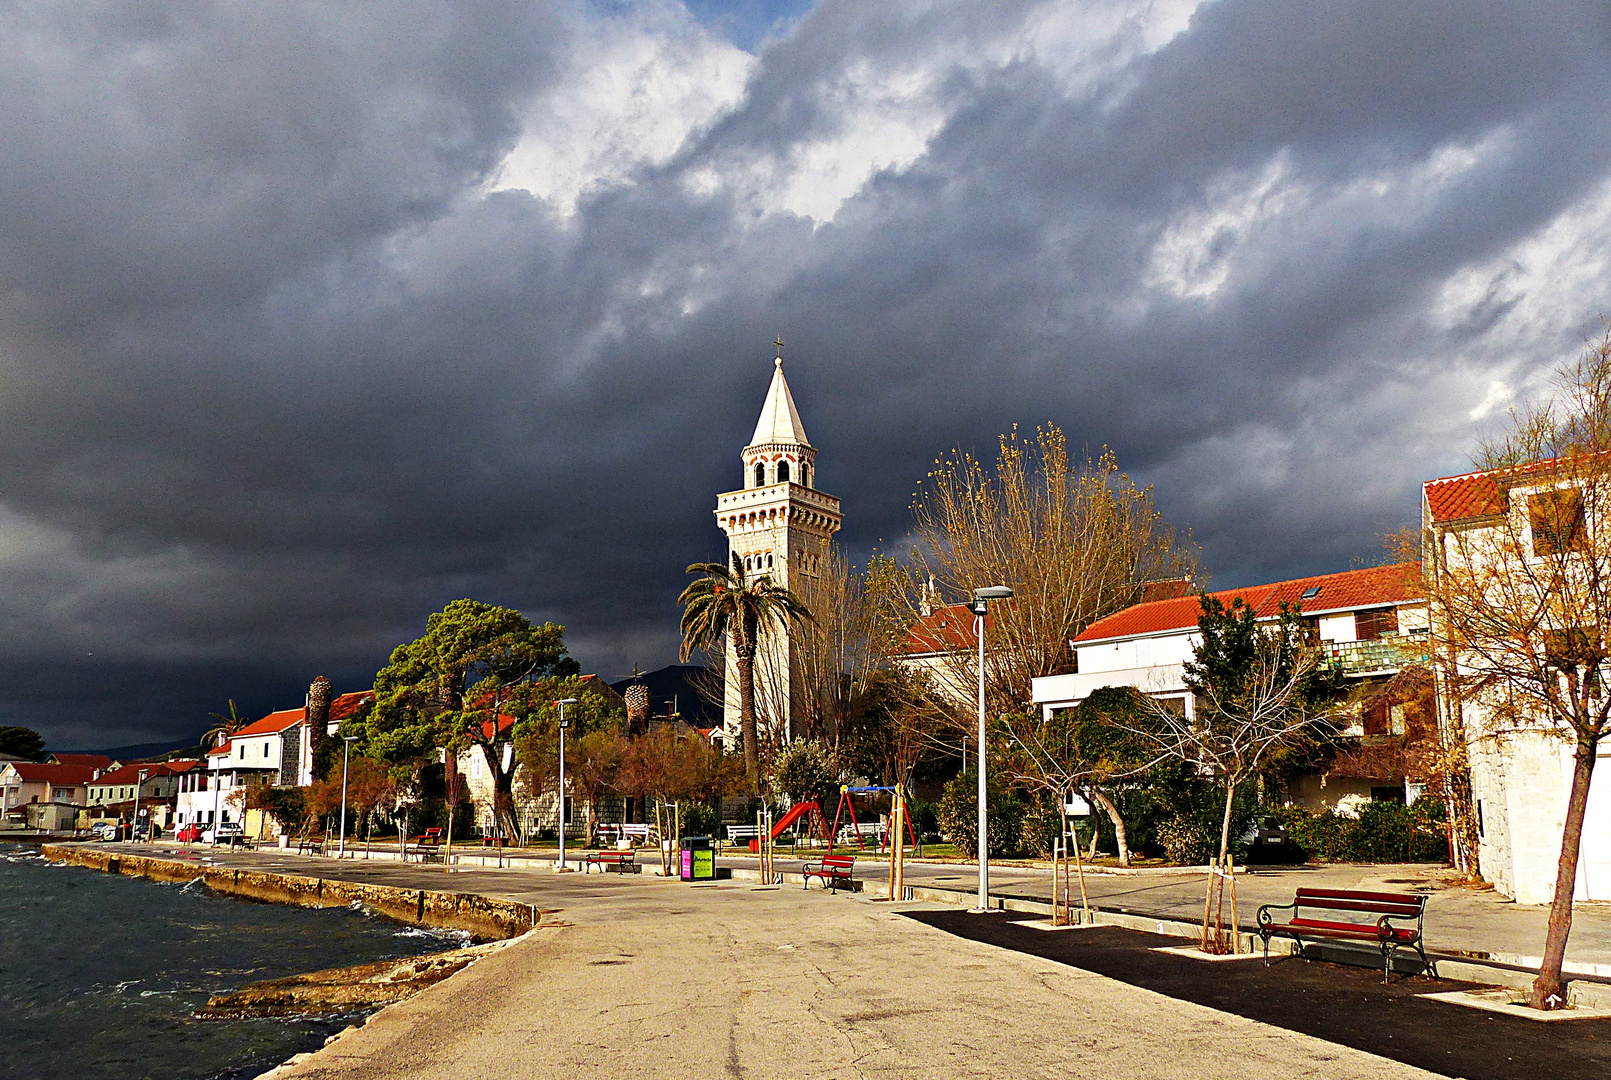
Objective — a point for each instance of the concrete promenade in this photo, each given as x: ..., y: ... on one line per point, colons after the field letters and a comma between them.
x: 646, y: 977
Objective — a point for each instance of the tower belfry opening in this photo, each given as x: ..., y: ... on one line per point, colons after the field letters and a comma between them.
x: 780, y: 526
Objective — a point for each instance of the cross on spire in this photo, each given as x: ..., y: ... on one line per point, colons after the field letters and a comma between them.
x: 779, y: 344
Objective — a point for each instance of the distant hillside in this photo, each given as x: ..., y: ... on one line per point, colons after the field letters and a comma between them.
x: 676, y: 682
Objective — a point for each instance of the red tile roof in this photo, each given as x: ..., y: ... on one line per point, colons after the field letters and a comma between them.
x: 130, y: 774
x: 272, y: 724
x: 94, y: 761
x: 1378, y: 585
x: 947, y: 629
x: 348, y: 704
x: 33, y: 773
x: 1459, y: 498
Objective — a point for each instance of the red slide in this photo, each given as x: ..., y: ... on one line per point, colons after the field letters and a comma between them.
x: 793, y: 815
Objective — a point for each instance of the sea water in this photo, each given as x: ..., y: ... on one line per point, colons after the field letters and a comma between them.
x: 100, y: 975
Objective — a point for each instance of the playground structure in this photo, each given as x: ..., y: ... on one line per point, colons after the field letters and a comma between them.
x: 900, y: 829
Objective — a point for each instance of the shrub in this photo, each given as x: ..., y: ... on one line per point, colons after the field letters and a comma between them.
x: 1184, y: 840
x: 700, y: 819
x: 1384, y: 831
x: 959, y: 816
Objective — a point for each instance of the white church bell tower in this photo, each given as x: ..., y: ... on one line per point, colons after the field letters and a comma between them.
x: 780, y: 526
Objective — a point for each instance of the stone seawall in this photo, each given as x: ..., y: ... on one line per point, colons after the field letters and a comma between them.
x: 485, y: 918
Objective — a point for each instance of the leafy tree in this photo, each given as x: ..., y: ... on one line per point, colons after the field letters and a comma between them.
x: 286, y: 805
x: 536, y: 729
x: 445, y: 689
x: 725, y: 604
x: 21, y: 741
x: 678, y: 766
x: 593, y: 766
x: 895, y: 718
x: 804, y: 771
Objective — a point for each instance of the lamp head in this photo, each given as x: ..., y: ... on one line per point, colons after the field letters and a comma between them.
x: 992, y: 592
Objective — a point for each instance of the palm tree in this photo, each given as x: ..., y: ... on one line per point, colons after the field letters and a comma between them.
x: 725, y: 602
x: 227, y: 724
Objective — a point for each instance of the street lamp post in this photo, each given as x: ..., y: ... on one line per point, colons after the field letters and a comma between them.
x: 563, y: 724
x: 981, y: 601
x: 137, y: 784
x: 346, y: 746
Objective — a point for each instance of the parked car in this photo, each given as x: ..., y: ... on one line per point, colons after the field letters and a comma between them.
x: 104, y: 830
x: 1268, y: 842
x: 190, y: 834
x: 227, y: 832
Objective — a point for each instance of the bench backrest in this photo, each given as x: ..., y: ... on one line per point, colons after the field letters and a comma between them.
x: 1412, y: 905
x: 842, y: 862
x: 432, y: 832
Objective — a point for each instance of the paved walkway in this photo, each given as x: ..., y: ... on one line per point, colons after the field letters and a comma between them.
x: 655, y: 978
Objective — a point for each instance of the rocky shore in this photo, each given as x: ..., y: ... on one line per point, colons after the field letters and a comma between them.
x: 484, y: 918
x: 346, y: 989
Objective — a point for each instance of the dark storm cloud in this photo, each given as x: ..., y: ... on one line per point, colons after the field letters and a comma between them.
x: 280, y: 373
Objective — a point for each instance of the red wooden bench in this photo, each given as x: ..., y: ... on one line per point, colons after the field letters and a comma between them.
x: 624, y: 862
x: 1381, y: 908
x: 832, y: 869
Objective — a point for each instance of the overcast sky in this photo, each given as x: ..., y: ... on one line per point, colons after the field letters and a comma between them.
x: 314, y: 317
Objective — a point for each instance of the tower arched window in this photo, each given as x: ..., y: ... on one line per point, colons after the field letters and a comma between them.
x: 760, y: 474
x: 805, y: 475
x: 769, y: 561
x: 783, y: 472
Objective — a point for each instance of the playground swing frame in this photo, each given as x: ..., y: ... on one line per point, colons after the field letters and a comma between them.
x: 898, y: 815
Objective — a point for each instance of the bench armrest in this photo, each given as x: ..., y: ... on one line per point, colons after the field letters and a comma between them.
x: 1385, y: 929
x: 1264, y: 918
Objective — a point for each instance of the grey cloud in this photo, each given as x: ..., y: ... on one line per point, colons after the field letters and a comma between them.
x: 278, y: 377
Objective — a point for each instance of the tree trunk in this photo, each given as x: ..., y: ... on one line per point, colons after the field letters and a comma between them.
x: 1549, y: 991
x: 1118, y: 825
x: 1225, y: 825
x: 744, y: 656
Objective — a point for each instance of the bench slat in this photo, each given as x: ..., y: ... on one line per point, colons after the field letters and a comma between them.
x: 1414, y: 899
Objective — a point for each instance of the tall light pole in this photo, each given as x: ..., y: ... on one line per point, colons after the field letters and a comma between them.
x: 137, y: 784
x: 346, y: 746
x: 563, y: 724
x: 981, y: 601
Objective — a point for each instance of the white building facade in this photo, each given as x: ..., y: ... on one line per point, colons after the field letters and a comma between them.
x: 1521, y: 772
x: 1369, y: 621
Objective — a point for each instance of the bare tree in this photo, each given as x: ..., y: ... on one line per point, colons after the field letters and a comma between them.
x: 1076, y: 541
x: 1521, y: 594
x: 1256, y: 689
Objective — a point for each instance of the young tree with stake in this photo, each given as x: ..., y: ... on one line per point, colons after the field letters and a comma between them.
x: 1521, y: 599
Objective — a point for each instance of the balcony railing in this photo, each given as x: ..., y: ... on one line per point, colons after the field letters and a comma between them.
x: 1383, y: 654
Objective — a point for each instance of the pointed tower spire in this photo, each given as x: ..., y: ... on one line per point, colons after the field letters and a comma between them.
x: 780, y: 420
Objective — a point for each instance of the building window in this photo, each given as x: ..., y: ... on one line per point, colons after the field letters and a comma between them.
x: 760, y: 474
x: 783, y: 473
x: 805, y: 476
x: 1556, y: 518
x: 769, y: 566
x: 1370, y: 625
